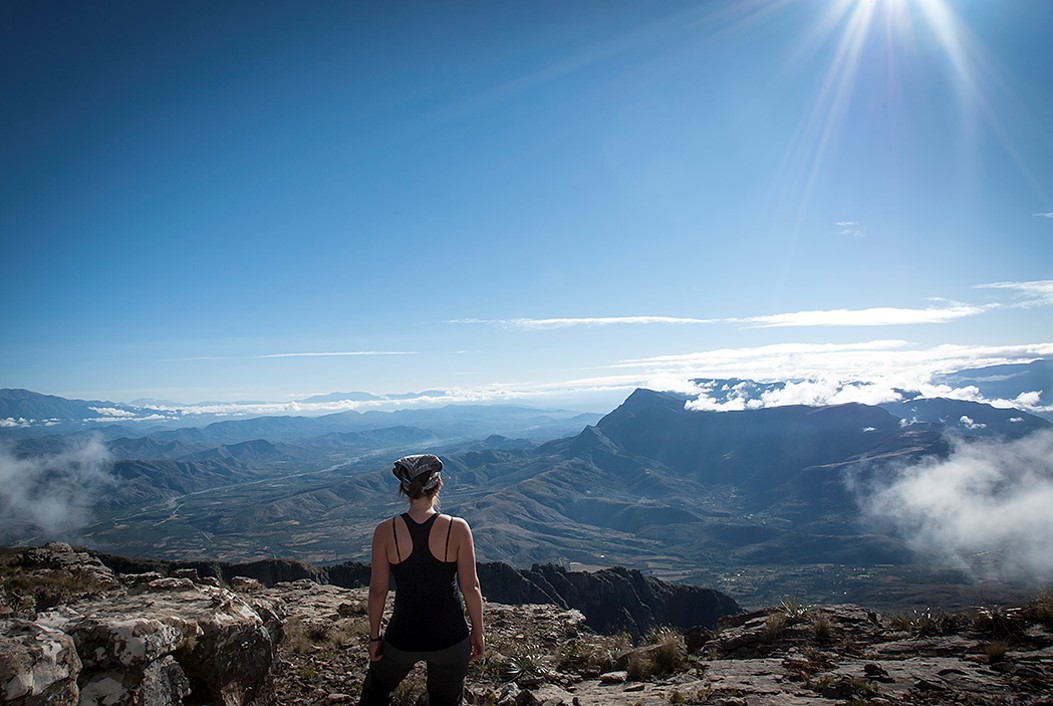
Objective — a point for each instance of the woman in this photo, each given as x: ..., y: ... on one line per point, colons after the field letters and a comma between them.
x: 425, y: 551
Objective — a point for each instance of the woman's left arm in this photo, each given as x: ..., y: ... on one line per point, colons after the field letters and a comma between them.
x: 468, y: 578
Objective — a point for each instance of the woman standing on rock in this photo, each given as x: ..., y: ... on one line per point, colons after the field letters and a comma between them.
x: 429, y: 554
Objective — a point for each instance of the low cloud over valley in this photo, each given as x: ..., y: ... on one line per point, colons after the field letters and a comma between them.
x: 984, y: 509
x: 47, y: 495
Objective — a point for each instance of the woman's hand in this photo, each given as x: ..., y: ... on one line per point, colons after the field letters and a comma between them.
x: 478, y: 644
x: 376, y: 651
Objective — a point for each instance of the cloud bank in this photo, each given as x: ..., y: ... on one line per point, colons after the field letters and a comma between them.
x: 984, y: 510
x: 50, y: 494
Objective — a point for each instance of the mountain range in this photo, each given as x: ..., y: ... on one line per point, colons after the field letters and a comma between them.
x: 756, y: 502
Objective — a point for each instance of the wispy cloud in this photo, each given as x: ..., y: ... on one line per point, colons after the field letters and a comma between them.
x: 1029, y: 293
x: 1047, y: 214
x: 850, y: 228
x: 874, y: 316
x: 590, y: 321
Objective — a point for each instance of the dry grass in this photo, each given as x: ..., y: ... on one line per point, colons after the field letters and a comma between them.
x: 590, y: 654
x: 822, y: 628
x: 1040, y: 609
x: 774, y: 626
x: 995, y: 651
x: 43, y: 589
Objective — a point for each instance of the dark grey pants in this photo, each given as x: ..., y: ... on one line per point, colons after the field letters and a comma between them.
x: 446, y: 671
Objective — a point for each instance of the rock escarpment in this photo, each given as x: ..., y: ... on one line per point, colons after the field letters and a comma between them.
x: 72, y: 631
x: 612, y: 600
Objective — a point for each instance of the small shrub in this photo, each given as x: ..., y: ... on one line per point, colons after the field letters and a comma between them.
x: 676, y: 697
x: 822, y: 628
x: 774, y: 627
x: 793, y: 609
x: 998, y: 621
x: 581, y: 655
x: 638, y: 668
x: 670, y: 657
x: 526, y: 664
x: 927, y: 623
x: 995, y: 651
x: 1041, y: 608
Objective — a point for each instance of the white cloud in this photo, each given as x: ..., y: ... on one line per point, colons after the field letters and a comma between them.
x: 984, y: 509
x: 11, y: 422
x: 813, y: 393
x: 875, y: 316
x: 1047, y: 214
x: 867, y: 372
x: 1030, y: 293
x: 112, y: 412
x: 851, y: 228
x: 50, y: 493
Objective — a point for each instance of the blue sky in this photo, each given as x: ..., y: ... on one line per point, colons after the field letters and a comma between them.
x: 549, y: 202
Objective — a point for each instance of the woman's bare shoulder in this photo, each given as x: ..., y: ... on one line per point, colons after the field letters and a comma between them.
x: 460, y: 524
x: 384, y: 528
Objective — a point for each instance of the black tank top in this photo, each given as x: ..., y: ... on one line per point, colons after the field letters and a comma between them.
x: 428, y: 613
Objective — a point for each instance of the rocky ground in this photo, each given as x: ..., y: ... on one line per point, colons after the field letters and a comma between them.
x: 790, y: 655
x: 72, y: 631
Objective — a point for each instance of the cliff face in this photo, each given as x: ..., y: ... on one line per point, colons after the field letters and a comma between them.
x: 612, y: 600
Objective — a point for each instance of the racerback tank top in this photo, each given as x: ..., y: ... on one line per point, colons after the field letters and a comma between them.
x: 428, y: 614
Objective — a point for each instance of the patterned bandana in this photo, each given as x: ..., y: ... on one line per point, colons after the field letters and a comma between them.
x: 409, y: 468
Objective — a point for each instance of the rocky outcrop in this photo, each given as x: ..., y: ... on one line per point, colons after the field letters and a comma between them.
x: 38, y: 665
x: 267, y: 571
x: 612, y: 600
x: 71, y: 632
x: 133, y: 638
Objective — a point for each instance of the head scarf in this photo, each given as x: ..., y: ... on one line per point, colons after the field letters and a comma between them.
x: 409, y: 468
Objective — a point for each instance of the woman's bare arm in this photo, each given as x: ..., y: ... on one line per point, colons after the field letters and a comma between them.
x: 468, y: 578
x: 379, y: 583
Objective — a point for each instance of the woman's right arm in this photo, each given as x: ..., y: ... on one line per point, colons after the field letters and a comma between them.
x: 379, y: 582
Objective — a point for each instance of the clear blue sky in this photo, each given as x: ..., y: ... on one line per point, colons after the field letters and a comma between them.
x: 527, y: 200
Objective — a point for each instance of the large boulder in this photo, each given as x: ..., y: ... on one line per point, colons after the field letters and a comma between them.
x: 38, y: 665
x: 175, y: 636
x: 104, y: 639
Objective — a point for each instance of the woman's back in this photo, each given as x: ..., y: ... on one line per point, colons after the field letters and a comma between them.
x: 428, y: 613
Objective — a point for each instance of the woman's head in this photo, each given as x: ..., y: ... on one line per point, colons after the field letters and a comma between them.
x: 418, y: 476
